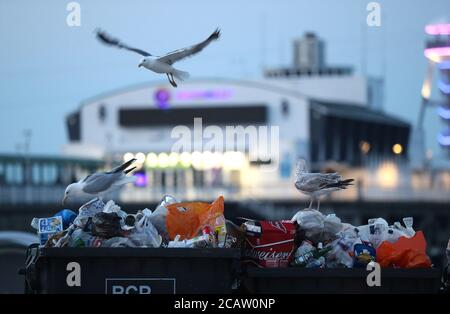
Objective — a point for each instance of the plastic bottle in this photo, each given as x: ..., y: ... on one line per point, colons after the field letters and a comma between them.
x: 304, y: 248
x: 408, y: 221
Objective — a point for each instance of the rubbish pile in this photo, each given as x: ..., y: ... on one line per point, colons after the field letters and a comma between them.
x: 314, y: 240
x: 310, y: 239
x: 171, y: 224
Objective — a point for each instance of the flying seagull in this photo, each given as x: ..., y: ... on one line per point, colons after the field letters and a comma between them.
x: 100, y: 183
x: 318, y: 184
x: 161, y: 64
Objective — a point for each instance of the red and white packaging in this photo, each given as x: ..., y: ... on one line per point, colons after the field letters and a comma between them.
x: 269, y: 244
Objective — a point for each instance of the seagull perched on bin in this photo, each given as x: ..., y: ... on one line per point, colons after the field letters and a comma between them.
x: 317, y: 184
x: 100, y: 183
x: 164, y: 63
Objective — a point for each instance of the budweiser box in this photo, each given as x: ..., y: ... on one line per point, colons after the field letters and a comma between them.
x: 269, y: 244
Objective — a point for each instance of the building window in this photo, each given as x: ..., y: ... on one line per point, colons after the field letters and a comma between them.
x: 102, y: 113
x: 285, y: 108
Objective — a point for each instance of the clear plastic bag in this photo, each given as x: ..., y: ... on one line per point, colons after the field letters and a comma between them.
x: 145, y: 234
x: 317, y: 227
x: 341, y: 248
x: 377, y: 230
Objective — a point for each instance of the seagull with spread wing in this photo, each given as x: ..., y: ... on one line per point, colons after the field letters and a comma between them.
x: 162, y: 64
x: 318, y: 184
x: 99, y: 183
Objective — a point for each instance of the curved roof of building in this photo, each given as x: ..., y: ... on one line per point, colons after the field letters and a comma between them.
x: 243, y: 83
x: 344, y: 110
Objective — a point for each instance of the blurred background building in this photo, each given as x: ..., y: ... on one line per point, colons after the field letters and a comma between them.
x: 326, y: 114
x: 331, y: 115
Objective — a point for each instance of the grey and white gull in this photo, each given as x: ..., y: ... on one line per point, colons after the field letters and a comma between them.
x: 318, y: 184
x: 99, y: 184
x: 162, y: 64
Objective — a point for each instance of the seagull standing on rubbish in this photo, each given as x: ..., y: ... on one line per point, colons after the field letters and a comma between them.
x: 317, y: 184
x: 162, y: 64
x: 100, y: 183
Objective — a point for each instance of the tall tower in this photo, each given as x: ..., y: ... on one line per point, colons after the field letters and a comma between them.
x: 309, y: 52
x: 437, y: 51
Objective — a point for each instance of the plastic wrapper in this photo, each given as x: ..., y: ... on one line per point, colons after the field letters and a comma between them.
x: 363, y: 255
x: 88, y: 210
x: 47, y: 227
x: 188, y: 219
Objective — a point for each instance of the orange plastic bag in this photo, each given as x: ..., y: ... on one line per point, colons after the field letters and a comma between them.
x: 189, y: 223
x: 405, y: 253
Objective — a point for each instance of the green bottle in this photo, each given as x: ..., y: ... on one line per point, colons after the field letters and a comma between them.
x: 303, y: 259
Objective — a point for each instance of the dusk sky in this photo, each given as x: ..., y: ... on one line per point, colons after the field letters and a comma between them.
x: 47, y: 68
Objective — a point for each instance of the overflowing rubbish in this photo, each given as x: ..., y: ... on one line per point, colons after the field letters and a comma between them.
x: 171, y: 224
x: 345, y: 245
x: 314, y: 240
x: 310, y: 239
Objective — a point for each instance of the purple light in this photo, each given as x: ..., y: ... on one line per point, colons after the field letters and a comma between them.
x: 438, y: 29
x: 162, y: 97
x: 436, y: 54
x: 141, y: 179
x: 444, y: 65
x: 204, y: 94
x: 445, y: 88
x: 444, y: 113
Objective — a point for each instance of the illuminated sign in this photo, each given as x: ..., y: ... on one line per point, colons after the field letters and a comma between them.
x: 203, y: 94
x: 141, y: 179
x: 162, y: 97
